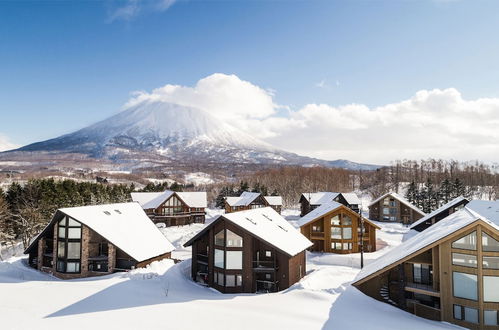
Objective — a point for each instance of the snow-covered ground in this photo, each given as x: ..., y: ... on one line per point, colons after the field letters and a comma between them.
x: 162, y: 296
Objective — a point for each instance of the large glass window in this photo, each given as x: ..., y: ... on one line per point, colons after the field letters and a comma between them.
x: 336, y: 232
x: 234, y: 259
x: 489, y: 244
x: 347, y: 233
x: 219, y: 258
x: 335, y: 221
x: 490, y: 317
x: 491, y: 262
x: 491, y: 288
x: 220, y: 238
x: 347, y: 221
x: 466, y: 260
x: 386, y: 211
x: 467, y: 314
x: 230, y: 280
x: 234, y: 240
x: 465, y: 285
x: 467, y: 242
x: 422, y: 274
x: 73, y: 250
x: 68, y: 246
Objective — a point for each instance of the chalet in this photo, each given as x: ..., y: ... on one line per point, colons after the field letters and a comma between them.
x: 439, y: 214
x: 249, y: 251
x: 97, y: 240
x: 333, y: 227
x: 392, y: 207
x: 252, y: 200
x: 173, y: 208
x: 310, y: 201
x: 449, y: 272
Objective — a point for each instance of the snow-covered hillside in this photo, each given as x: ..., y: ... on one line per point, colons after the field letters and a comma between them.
x: 163, y: 296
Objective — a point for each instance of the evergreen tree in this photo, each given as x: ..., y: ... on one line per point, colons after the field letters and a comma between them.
x: 458, y: 188
x: 412, y: 193
x: 243, y: 186
x: 445, y: 191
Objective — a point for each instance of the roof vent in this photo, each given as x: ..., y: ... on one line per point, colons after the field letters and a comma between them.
x: 268, y: 218
x: 283, y: 228
x: 253, y: 222
x: 107, y: 213
x: 117, y: 211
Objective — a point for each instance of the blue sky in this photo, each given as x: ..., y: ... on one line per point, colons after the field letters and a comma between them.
x: 66, y: 64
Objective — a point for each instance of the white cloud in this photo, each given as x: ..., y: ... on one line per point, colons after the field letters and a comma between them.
x: 129, y: 9
x: 433, y: 123
x: 5, y: 144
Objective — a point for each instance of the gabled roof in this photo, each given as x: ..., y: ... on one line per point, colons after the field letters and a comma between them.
x: 319, y: 198
x: 245, y: 199
x: 488, y: 209
x: 443, y: 208
x: 273, y: 200
x: 351, y: 198
x: 267, y: 225
x: 152, y: 200
x: 422, y: 240
x: 401, y: 199
x: 323, y: 210
x: 125, y: 225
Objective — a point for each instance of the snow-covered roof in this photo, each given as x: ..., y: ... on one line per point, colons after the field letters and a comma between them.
x: 488, y: 209
x: 152, y: 200
x: 194, y: 198
x: 444, y: 207
x: 318, y: 212
x: 125, y: 225
x: 245, y: 199
x: 401, y: 199
x: 435, y: 233
x: 273, y: 200
x: 351, y: 198
x: 268, y: 225
x: 319, y: 198
x: 323, y: 210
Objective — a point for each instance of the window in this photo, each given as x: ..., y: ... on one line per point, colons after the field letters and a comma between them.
x: 466, y: 260
x: 220, y: 238
x: 490, y: 318
x: 73, y: 250
x: 268, y: 276
x: 317, y: 229
x: 74, y: 233
x: 467, y: 314
x: 386, y: 210
x: 239, y: 280
x: 467, y: 242
x: 220, y: 279
x: 219, y: 258
x: 234, y: 259
x: 347, y: 221
x: 489, y: 244
x: 386, y: 201
x: 491, y: 262
x: 268, y: 254
x: 336, y: 246
x: 335, y: 221
x: 62, y: 232
x: 491, y: 288
x: 465, y: 285
x: 61, y: 249
x: 347, y: 233
x: 234, y: 240
x: 230, y: 280
x: 336, y: 232
x: 68, y: 246
x: 393, y: 219
x: 422, y: 274
x: 347, y: 246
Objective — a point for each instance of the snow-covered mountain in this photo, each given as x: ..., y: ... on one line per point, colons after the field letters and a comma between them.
x: 161, y: 131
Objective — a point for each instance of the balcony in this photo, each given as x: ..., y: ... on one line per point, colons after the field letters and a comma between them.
x: 422, y: 289
x: 317, y: 234
x: 265, y: 266
x: 202, y: 258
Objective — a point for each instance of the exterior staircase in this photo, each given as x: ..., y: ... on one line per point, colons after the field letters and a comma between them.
x: 384, y: 292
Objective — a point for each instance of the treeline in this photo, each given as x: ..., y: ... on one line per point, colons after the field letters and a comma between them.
x: 233, y: 191
x: 26, y: 209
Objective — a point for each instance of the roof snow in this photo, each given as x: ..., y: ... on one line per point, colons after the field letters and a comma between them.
x: 126, y: 226
x: 438, y: 231
x: 401, y: 199
x: 245, y: 199
x: 450, y: 204
x: 319, y: 198
x: 352, y: 198
x: 273, y: 200
x: 268, y: 225
x: 318, y: 212
x: 488, y: 209
x: 152, y: 200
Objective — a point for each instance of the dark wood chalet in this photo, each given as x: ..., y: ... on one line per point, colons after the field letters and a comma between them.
x: 173, y: 208
x: 311, y: 201
x: 439, y: 214
x: 249, y: 251
x: 335, y: 228
x: 84, y: 241
x: 392, y: 207
x: 448, y: 272
x: 252, y: 200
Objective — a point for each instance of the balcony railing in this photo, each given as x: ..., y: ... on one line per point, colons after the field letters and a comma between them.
x: 422, y: 288
x: 202, y: 258
x: 317, y: 234
x: 264, y: 265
